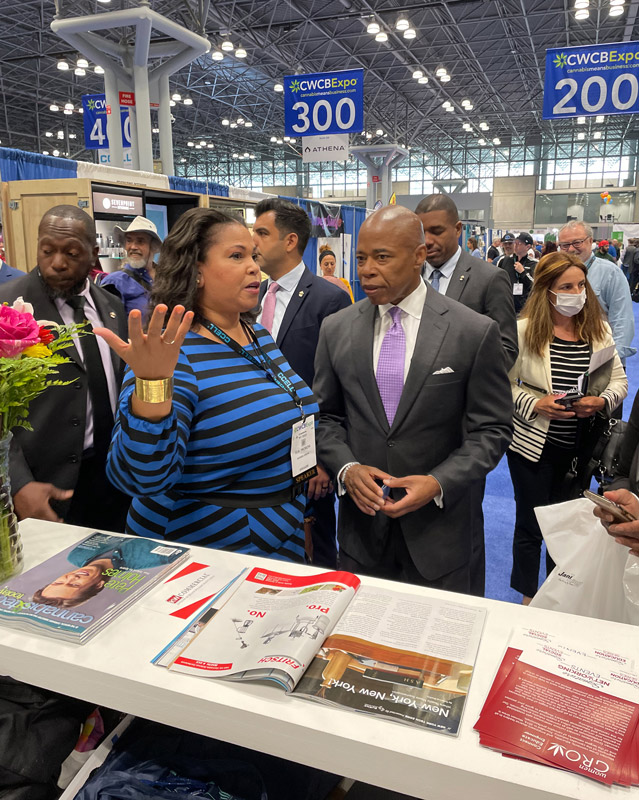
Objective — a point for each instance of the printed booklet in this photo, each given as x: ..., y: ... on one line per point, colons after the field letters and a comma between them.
x: 323, y: 637
x: 566, y: 705
x: 76, y: 593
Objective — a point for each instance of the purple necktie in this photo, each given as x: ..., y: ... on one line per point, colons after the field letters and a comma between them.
x: 268, y: 307
x: 390, y: 367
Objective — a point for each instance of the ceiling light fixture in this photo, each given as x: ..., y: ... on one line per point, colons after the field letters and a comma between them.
x: 467, y: 126
x: 581, y: 120
x: 287, y: 138
x: 596, y: 135
x: 581, y: 4
x: 210, y: 145
x: 60, y: 134
x: 233, y: 125
x: 583, y: 13
x: 82, y: 63
x: 382, y: 36
x: 188, y: 101
x: 372, y: 27
x: 236, y: 155
x: 496, y: 140
x: 63, y: 65
x: 279, y: 141
x: 440, y: 71
x: 616, y: 11
x: 248, y: 124
x: 581, y: 136
x: 176, y: 96
x: 410, y: 33
x: 226, y: 122
x: 450, y: 108
x: 227, y: 46
x: 48, y: 134
x: 445, y: 78
x: 246, y: 155
x: 418, y: 74
x: 617, y: 2
x: 172, y: 103
x: 423, y: 80
x: 68, y: 106
x: 599, y: 118
x: 190, y: 144
x: 240, y: 53
x: 45, y: 152
x: 56, y: 153
x: 481, y: 141
x: 402, y: 24
x: 198, y: 146
x: 446, y: 104
x: 379, y: 132
x: 79, y: 71
x: 240, y: 120
x: 153, y: 130
x: 98, y: 70
x: 278, y: 87
x: 217, y: 55
x: 203, y: 143
x: 466, y: 102
x: 53, y: 107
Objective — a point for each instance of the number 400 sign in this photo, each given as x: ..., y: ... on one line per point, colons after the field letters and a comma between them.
x: 324, y: 102
x: 598, y: 79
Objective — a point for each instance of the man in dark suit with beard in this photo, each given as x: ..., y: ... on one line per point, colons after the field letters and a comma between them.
x: 58, y: 470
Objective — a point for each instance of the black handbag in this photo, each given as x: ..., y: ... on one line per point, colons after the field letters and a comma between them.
x: 598, y: 455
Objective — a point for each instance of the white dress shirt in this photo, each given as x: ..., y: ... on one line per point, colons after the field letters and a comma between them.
x: 91, y: 313
x: 411, y: 307
x: 287, y: 284
x: 446, y: 269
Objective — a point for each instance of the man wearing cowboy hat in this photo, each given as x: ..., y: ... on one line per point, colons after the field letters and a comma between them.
x: 132, y: 283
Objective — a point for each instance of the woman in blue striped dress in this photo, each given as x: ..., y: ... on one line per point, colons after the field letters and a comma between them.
x: 202, y: 440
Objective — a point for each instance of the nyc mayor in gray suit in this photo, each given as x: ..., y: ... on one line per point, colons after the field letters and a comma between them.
x: 453, y: 422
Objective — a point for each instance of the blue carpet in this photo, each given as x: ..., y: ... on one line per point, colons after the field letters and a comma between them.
x: 499, y: 505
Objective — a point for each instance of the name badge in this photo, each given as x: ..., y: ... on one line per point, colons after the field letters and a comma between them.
x: 518, y: 288
x: 303, y: 458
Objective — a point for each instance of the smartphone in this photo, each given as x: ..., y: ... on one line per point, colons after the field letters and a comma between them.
x: 385, y: 489
x: 568, y: 399
x: 616, y: 511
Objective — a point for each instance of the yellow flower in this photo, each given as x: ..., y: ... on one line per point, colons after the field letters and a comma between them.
x: 37, y: 351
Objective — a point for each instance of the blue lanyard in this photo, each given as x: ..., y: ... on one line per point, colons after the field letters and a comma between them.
x: 266, y: 363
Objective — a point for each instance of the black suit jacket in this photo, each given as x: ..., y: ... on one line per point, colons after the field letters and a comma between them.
x: 313, y: 300
x: 486, y: 289
x: 52, y: 452
x: 454, y: 422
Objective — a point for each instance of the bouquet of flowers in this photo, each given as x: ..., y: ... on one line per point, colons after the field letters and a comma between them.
x: 29, y: 358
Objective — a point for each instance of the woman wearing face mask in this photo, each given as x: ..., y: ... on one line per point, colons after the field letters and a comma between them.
x: 560, y: 328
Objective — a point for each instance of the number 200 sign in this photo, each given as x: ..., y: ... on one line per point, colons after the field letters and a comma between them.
x: 324, y: 102
x: 598, y: 79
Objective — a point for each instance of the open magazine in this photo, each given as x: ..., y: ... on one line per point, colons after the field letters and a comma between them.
x: 323, y: 637
x: 76, y: 593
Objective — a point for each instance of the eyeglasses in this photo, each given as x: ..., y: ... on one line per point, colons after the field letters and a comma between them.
x: 575, y: 244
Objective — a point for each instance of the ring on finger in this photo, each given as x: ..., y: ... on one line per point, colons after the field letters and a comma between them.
x: 165, y: 341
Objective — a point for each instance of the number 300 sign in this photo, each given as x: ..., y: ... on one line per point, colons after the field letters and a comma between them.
x: 326, y: 102
x: 599, y: 79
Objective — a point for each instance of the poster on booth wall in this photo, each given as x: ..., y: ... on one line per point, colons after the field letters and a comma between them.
x: 326, y: 219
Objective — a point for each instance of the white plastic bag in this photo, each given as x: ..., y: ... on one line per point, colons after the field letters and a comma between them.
x: 594, y: 576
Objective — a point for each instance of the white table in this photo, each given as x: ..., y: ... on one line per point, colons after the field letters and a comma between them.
x: 114, y: 670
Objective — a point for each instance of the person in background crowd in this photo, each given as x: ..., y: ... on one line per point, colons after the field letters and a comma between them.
x: 413, y: 396
x: 58, y: 469
x: 559, y: 329
x: 603, y: 251
x: 133, y: 282
x: 628, y: 258
x: 8, y: 273
x: 614, y: 249
x: 472, y: 282
x: 294, y: 305
x: 607, y: 282
x: 525, y: 251
x: 520, y: 273
x: 202, y: 439
x: 327, y: 263
x: 494, y: 249
x: 473, y: 247
x: 549, y: 247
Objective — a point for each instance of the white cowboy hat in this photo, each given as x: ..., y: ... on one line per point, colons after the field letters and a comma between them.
x: 139, y: 225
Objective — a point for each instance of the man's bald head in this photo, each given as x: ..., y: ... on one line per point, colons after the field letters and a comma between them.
x: 75, y: 214
x: 390, y: 254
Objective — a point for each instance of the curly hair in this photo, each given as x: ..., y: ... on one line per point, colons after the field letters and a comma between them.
x: 589, y: 322
x: 183, y: 249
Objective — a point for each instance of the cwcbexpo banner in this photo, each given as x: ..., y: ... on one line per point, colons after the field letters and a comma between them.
x: 94, y: 116
x: 598, y: 79
x: 324, y: 102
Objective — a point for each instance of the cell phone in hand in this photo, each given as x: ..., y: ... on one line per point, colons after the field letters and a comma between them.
x: 620, y: 514
x: 568, y: 399
x: 385, y: 489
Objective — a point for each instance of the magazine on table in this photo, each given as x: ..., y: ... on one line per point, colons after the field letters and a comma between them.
x: 76, y: 593
x: 324, y: 637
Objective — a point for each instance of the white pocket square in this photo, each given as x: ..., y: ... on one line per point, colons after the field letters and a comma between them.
x: 443, y: 371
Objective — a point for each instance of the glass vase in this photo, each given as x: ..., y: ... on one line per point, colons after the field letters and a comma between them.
x: 11, y: 557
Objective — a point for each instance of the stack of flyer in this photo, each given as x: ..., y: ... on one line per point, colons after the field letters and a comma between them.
x: 565, y: 705
x: 77, y: 592
x: 326, y: 638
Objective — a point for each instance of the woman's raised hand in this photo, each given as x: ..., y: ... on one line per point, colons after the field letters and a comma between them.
x: 154, y: 354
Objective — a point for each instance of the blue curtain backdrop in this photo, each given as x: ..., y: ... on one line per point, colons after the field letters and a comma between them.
x: 353, y: 218
x: 199, y: 187
x: 18, y: 165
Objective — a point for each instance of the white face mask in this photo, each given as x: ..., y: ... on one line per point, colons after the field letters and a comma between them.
x: 569, y: 304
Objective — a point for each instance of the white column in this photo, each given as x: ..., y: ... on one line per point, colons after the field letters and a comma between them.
x: 143, y: 117
x: 113, y: 127
x: 164, y: 124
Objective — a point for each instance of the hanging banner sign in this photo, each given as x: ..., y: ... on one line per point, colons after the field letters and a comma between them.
x: 326, y: 220
x: 332, y: 147
x: 324, y: 102
x: 597, y: 79
x: 95, y: 124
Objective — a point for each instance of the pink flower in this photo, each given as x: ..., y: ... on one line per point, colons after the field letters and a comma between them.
x: 17, y: 332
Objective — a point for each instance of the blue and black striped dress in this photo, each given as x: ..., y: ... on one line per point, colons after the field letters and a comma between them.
x: 229, y: 432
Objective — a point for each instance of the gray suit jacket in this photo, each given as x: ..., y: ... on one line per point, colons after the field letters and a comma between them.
x: 486, y: 289
x: 453, y: 424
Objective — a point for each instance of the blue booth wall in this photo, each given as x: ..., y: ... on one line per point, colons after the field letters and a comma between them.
x: 353, y: 218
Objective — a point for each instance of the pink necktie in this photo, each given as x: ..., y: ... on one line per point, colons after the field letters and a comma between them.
x: 268, y: 307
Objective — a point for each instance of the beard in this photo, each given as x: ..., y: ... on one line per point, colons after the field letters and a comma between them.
x: 136, y: 262
x: 63, y: 294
